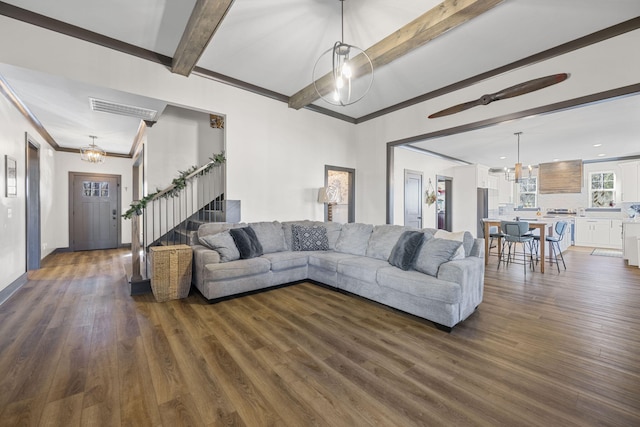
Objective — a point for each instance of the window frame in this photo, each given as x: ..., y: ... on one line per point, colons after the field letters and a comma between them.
x: 612, y: 190
x: 535, y: 193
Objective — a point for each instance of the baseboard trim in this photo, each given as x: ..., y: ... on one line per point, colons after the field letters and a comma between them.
x: 6, y: 293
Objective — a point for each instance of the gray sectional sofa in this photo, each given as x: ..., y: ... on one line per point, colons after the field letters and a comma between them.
x: 441, y: 279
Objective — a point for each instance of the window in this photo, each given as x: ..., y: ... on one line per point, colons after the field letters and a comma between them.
x: 528, y: 192
x: 602, y: 189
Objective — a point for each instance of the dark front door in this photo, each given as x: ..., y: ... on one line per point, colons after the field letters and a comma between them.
x: 33, y: 205
x: 443, y: 207
x: 95, y: 213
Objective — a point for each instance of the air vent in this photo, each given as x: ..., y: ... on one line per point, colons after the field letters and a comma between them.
x: 121, y: 109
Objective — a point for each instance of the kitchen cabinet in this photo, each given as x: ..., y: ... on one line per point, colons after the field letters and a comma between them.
x: 631, y: 234
x: 482, y: 176
x: 615, y: 238
x: 630, y: 181
x: 598, y: 232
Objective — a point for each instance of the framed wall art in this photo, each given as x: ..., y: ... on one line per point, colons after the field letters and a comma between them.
x: 10, y: 176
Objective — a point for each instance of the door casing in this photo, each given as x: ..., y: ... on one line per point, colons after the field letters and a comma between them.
x: 72, y: 195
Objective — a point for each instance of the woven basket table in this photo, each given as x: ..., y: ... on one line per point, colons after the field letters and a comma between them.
x: 170, y: 271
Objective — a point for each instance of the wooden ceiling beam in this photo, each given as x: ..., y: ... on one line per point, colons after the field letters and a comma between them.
x: 206, y: 17
x: 435, y: 22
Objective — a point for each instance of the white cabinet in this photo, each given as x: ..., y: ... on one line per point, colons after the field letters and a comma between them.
x: 630, y: 181
x: 631, y: 233
x: 482, y: 176
x: 615, y: 237
x: 597, y: 232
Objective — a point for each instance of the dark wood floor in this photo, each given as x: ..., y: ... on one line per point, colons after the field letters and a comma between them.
x: 549, y: 350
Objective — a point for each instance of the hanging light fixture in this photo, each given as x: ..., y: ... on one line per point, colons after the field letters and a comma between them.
x: 347, y: 63
x: 92, y: 153
x: 517, y: 177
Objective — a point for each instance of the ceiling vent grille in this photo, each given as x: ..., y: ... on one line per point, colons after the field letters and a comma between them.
x: 122, y: 109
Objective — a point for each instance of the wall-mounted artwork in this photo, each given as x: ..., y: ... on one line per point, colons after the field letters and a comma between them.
x: 10, y: 176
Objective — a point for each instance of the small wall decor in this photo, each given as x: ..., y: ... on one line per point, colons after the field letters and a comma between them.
x: 10, y: 176
x: 217, y: 122
x: 430, y: 194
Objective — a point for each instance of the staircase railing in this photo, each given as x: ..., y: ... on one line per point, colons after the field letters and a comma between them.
x: 201, y: 191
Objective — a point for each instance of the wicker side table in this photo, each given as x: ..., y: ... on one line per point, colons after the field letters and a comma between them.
x: 170, y: 271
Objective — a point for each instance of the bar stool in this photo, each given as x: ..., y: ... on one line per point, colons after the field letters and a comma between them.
x: 559, y: 229
x: 517, y: 232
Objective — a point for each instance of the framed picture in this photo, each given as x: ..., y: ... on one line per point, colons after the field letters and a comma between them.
x: 10, y: 176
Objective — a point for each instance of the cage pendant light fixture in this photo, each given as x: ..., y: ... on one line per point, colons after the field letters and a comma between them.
x: 92, y: 153
x: 518, y: 168
x: 517, y: 171
x: 350, y: 75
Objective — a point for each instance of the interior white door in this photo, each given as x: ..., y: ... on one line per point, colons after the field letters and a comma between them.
x: 412, y: 199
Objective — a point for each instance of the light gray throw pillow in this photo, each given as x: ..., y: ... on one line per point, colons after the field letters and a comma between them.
x: 433, y: 253
x: 354, y: 238
x: 223, y: 244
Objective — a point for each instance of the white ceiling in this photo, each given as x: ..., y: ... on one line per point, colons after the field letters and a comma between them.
x: 274, y: 45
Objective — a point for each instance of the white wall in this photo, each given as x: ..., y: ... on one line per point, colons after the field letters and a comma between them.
x: 70, y: 162
x: 180, y: 139
x: 12, y: 209
x: 430, y: 167
x: 275, y: 155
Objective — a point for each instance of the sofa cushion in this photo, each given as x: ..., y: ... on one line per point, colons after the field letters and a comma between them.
x: 333, y: 233
x: 327, y: 260
x: 416, y: 284
x: 433, y: 253
x: 361, y: 268
x: 461, y: 236
x: 247, y: 242
x: 286, y: 260
x: 270, y: 235
x: 217, y: 227
x: 309, y: 238
x: 382, y: 240
x: 222, y: 243
x: 235, y: 269
x: 354, y: 238
x: 406, y: 249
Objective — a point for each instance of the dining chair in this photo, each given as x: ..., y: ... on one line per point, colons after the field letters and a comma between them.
x: 558, y: 234
x: 494, y: 233
x: 517, y: 232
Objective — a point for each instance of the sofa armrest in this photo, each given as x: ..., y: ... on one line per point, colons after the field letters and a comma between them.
x: 201, y: 257
x: 469, y: 274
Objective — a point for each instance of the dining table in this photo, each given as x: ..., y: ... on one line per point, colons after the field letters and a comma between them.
x: 543, y: 226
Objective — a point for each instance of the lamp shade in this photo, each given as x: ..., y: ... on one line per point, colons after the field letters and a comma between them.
x: 323, y: 195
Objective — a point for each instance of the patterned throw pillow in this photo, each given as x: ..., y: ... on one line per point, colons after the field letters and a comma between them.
x: 309, y: 238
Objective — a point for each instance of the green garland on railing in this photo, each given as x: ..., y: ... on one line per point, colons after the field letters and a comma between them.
x: 179, y: 183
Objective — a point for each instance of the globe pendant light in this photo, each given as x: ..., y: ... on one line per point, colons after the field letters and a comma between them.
x: 347, y: 63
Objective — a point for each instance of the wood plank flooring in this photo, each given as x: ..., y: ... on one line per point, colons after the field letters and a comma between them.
x: 559, y: 349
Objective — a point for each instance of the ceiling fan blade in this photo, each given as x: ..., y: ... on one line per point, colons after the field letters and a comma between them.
x: 510, y: 92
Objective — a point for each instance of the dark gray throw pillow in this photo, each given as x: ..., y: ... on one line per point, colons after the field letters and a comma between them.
x: 433, y: 253
x: 247, y: 242
x: 405, y: 249
x: 309, y: 238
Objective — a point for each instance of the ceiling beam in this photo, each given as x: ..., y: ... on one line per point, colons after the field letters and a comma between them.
x: 206, y: 17
x: 437, y: 21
